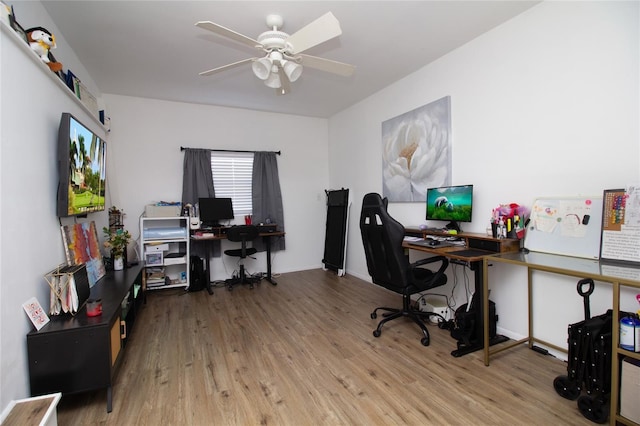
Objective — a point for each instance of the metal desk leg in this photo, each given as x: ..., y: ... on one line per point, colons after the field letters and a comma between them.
x: 109, y: 399
x: 207, y: 262
x: 268, y: 244
x: 485, y: 309
x: 481, y: 297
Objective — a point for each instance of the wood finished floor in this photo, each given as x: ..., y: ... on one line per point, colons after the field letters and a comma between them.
x: 303, y: 353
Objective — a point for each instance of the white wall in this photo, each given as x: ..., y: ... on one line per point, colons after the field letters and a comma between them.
x: 30, y: 240
x: 544, y: 105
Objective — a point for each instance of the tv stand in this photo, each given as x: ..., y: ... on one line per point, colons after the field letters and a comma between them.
x: 80, y: 353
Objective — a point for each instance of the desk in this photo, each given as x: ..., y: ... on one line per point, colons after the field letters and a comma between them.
x: 218, y: 236
x: 615, y: 274
x: 477, y: 247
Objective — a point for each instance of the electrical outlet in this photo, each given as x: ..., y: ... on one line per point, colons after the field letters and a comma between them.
x: 436, y: 305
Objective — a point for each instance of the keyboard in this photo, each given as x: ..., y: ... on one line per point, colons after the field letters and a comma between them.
x: 266, y: 228
x: 427, y: 243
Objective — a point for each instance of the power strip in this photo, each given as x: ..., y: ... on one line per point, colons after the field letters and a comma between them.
x: 434, y: 304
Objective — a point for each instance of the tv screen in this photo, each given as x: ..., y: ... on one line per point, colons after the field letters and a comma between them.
x: 450, y: 203
x: 213, y: 210
x: 81, y: 168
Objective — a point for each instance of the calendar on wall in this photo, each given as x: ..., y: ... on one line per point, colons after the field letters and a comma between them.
x: 620, y: 239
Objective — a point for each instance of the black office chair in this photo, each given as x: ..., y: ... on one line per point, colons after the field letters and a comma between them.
x: 242, y: 234
x: 389, y: 266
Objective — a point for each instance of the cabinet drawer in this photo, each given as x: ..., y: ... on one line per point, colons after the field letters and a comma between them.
x: 69, y: 361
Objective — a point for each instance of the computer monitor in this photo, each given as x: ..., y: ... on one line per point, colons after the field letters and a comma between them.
x: 450, y: 203
x: 214, y: 210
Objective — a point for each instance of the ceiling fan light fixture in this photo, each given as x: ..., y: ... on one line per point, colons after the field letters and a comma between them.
x: 273, y: 81
x: 282, y: 60
x: 262, y: 68
x: 292, y: 70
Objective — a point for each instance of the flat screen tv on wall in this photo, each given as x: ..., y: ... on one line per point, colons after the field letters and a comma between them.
x: 81, y: 168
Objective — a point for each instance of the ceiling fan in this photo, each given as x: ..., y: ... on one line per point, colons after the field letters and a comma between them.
x: 282, y: 60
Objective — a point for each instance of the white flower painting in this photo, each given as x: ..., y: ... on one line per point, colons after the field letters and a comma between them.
x: 416, y: 152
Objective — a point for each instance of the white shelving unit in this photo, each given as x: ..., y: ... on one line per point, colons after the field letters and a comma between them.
x: 164, y: 247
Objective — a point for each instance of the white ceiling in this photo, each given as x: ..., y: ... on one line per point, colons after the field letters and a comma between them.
x: 152, y: 49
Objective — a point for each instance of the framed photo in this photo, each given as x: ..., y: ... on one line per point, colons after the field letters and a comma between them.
x: 153, y: 259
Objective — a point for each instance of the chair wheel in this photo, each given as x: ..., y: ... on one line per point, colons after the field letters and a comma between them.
x: 425, y: 341
x: 374, y: 315
x: 376, y: 333
x: 594, y: 408
x: 566, y: 387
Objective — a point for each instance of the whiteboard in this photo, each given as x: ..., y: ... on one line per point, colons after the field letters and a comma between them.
x: 568, y: 226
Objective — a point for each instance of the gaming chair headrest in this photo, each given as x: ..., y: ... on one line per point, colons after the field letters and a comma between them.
x: 373, y: 199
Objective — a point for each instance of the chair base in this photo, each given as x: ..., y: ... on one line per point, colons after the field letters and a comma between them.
x: 242, y: 278
x: 407, y: 311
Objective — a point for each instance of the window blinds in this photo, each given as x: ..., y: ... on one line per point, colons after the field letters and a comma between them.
x: 232, y: 174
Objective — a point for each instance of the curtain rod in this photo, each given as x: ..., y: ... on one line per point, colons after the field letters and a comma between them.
x: 182, y: 148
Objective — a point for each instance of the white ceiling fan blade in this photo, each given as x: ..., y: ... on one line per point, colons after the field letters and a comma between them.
x: 322, y: 29
x: 226, y: 32
x: 327, y: 65
x: 228, y: 66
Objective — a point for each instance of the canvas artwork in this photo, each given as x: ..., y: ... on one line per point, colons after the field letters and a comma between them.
x: 81, y: 246
x: 416, y: 152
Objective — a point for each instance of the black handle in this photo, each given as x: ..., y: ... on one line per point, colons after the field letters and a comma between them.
x: 585, y: 294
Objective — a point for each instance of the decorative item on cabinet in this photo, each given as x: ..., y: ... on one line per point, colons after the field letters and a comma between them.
x: 69, y: 288
x: 117, y: 238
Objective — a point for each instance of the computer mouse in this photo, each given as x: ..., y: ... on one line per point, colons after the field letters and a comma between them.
x: 434, y: 242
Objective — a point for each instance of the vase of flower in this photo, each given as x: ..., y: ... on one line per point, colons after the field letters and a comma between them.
x: 118, y: 263
x: 117, y: 240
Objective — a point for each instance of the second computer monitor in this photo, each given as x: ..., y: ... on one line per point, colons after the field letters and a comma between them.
x: 215, y: 210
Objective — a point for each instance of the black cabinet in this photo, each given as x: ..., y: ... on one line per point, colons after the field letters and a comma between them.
x: 79, y: 353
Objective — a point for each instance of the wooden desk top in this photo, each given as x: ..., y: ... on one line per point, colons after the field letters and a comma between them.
x: 212, y: 236
x: 477, y: 246
x: 450, y: 251
x: 465, y: 235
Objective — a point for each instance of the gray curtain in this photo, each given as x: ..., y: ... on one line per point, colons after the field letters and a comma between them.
x: 266, y: 196
x: 197, y: 182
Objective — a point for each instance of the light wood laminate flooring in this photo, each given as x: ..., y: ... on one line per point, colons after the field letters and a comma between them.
x: 303, y: 353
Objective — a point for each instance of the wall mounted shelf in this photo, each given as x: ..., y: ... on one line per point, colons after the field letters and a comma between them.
x: 22, y: 45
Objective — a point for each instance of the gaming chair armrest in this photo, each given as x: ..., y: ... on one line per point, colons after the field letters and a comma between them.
x: 443, y: 266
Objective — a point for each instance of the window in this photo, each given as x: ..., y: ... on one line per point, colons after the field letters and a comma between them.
x: 232, y: 174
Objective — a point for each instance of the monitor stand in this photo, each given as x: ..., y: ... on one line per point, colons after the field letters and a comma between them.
x: 453, y: 226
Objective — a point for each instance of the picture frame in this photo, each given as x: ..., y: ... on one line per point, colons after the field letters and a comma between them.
x: 154, y: 259
x: 417, y: 152
x: 81, y: 245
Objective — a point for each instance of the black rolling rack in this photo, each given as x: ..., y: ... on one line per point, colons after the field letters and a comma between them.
x: 335, y: 242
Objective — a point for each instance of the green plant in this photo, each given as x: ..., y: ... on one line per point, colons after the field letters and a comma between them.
x: 116, y: 241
